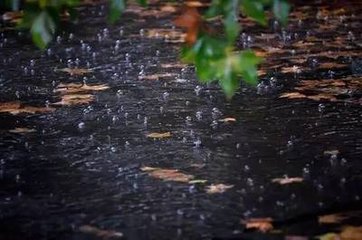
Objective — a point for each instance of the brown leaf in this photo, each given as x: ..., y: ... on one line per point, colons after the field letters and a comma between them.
x: 260, y: 224
x: 293, y: 69
x: 75, y: 99
x: 168, y: 174
x: 78, y: 88
x: 228, y: 119
x: 292, y: 95
x: 104, y: 234
x: 195, y: 4
x: 17, y: 108
x: 218, y: 188
x: 331, y: 218
x: 156, y: 76
x: 287, y: 180
x: 330, y: 65
x: 13, y: 17
x: 22, y: 130
x: 191, y: 20
x: 168, y: 8
x: 351, y: 233
x: 75, y: 71
x: 159, y: 135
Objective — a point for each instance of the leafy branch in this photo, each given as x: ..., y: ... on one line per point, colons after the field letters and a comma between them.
x: 213, y: 54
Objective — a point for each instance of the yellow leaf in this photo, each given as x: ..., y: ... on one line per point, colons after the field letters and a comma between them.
x: 159, y: 135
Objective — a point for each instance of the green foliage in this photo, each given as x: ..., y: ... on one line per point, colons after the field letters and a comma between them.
x: 213, y: 55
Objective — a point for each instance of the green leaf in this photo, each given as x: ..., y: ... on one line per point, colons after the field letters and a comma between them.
x: 116, y: 9
x: 281, y: 11
x: 142, y: 2
x: 250, y: 75
x: 42, y: 29
x: 232, y: 28
x: 255, y: 10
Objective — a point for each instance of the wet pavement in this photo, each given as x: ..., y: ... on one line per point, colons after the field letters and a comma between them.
x: 66, y: 165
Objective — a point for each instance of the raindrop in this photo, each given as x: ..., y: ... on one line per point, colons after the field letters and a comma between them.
x: 199, y: 115
x: 81, y: 125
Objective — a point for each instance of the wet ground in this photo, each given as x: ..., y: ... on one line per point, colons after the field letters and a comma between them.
x: 71, y: 168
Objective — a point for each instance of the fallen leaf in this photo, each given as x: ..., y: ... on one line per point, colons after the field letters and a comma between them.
x: 159, y: 135
x: 168, y: 8
x: 296, y: 238
x: 260, y: 224
x: 293, y: 69
x: 78, y: 88
x: 13, y: 17
x: 104, y: 234
x: 16, y: 107
x: 168, y: 174
x: 197, y: 181
x: 292, y: 95
x: 218, y: 188
x: 228, y: 119
x: 22, y: 130
x: 196, y: 4
x: 75, y: 71
x: 351, y: 233
x: 331, y: 152
x: 173, y: 65
x: 331, y: 218
x: 191, y: 20
x: 331, y: 65
x: 156, y: 76
x: 287, y: 180
x: 75, y: 99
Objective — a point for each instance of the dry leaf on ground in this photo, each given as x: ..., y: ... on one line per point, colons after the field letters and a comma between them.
x: 191, y: 20
x: 75, y: 71
x: 347, y: 233
x: 292, y: 95
x: 228, y: 119
x: 75, y: 99
x: 168, y: 174
x: 156, y: 76
x: 331, y: 218
x: 104, y: 234
x: 16, y: 107
x: 22, y: 130
x: 218, y: 188
x: 78, y: 88
x: 260, y: 224
x: 287, y: 180
x: 159, y: 135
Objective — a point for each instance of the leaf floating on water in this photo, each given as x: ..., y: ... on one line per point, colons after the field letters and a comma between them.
x: 159, y: 135
x: 78, y: 88
x: 168, y: 174
x: 228, y: 119
x: 287, y: 180
x: 75, y: 71
x: 261, y: 224
x: 218, y: 188
x: 75, y: 99
x: 16, y: 107
x: 22, y: 130
x: 104, y: 234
